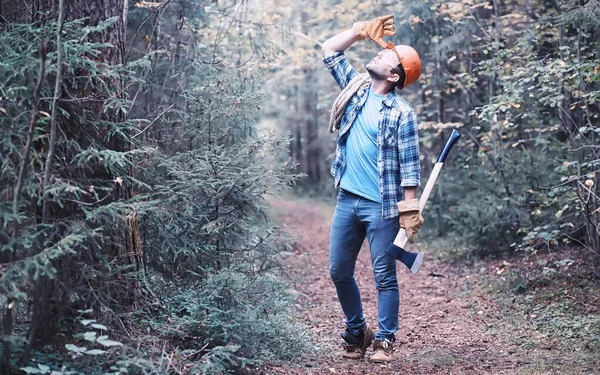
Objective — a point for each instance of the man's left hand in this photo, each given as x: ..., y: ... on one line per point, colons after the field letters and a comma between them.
x: 375, y: 29
x: 410, y: 217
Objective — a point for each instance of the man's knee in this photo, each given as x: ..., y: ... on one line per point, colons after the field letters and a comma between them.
x: 339, y: 275
x: 386, y: 280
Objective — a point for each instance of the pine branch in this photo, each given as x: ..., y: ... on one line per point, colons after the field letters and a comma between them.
x: 52, y: 145
x: 159, y: 116
x: 32, y: 121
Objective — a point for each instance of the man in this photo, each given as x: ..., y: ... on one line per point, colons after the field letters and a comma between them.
x: 376, y: 164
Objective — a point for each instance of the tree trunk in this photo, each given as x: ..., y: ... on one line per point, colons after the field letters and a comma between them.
x: 311, y: 157
x: 13, y: 11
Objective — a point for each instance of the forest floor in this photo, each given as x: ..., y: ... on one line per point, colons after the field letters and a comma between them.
x: 516, y: 316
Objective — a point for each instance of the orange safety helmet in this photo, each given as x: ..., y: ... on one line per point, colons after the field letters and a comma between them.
x: 410, y: 62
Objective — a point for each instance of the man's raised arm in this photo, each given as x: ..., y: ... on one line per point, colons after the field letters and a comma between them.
x: 373, y: 29
x: 339, y: 42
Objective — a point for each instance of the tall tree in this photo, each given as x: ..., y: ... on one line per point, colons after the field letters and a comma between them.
x: 83, y: 154
x: 91, y: 100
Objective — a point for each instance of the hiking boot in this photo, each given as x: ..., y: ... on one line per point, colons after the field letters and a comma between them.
x: 356, y: 346
x: 383, y: 351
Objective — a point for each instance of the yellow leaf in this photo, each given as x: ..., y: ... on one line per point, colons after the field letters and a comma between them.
x: 147, y: 4
x: 3, y: 110
x: 45, y: 113
x: 146, y: 39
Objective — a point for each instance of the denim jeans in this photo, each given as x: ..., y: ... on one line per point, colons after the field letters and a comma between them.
x: 354, y: 218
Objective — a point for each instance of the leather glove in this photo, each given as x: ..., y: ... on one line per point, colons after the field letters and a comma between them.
x: 410, y: 217
x: 375, y: 29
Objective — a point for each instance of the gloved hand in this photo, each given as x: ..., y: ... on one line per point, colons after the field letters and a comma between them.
x: 410, y: 217
x: 375, y: 29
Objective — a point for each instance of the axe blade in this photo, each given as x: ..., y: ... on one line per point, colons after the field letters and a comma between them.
x: 411, y: 260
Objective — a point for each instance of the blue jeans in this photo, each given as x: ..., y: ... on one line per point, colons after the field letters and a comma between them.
x: 354, y: 218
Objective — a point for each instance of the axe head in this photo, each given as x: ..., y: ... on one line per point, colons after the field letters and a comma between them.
x: 411, y: 260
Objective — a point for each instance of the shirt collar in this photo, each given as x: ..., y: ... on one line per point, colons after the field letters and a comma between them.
x: 389, y: 99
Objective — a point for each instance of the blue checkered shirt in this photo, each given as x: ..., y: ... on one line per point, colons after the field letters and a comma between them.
x: 397, y: 139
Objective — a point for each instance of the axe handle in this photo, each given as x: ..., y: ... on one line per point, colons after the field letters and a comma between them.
x: 401, y: 238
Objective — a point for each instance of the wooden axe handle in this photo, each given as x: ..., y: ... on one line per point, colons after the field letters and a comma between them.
x: 401, y: 238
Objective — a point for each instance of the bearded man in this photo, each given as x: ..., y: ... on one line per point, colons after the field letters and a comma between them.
x: 376, y: 166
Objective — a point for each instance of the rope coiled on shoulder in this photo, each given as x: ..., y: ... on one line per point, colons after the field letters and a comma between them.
x: 339, y: 105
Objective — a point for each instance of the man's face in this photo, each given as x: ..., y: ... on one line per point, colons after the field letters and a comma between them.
x: 382, y: 65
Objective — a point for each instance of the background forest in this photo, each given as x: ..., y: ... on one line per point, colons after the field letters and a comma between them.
x: 140, y: 139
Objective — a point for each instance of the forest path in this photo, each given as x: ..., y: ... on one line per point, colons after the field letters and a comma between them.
x: 446, y: 325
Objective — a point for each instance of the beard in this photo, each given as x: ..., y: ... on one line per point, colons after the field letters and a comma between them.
x: 375, y: 75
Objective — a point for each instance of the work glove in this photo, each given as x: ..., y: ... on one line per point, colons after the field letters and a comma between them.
x: 375, y: 29
x: 410, y: 217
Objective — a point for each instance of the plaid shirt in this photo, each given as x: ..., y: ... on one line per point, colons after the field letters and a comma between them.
x: 397, y: 140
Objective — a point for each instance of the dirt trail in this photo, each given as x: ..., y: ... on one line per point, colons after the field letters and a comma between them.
x: 449, y: 323
x: 443, y: 330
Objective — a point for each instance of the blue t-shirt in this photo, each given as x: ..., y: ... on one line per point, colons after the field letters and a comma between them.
x: 360, y: 175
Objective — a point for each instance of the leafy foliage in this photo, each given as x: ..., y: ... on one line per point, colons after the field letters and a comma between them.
x: 157, y: 220
x: 535, y: 142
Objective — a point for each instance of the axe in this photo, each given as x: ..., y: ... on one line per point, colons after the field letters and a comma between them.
x: 396, y: 249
